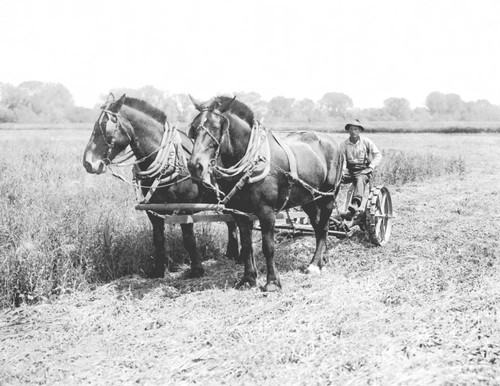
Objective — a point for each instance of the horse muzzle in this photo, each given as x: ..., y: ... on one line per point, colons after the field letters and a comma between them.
x: 96, y: 167
x: 197, y: 170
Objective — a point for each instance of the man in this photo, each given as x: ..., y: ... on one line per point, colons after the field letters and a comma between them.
x: 361, y: 158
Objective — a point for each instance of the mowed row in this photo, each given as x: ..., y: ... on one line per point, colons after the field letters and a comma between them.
x: 423, y: 309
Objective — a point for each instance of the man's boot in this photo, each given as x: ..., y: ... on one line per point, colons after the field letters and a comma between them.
x: 351, y: 210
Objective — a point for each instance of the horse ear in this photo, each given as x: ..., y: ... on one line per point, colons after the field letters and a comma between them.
x: 198, y: 106
x: 227, y: 105
x: 119, y: 102
x: 111, y: 97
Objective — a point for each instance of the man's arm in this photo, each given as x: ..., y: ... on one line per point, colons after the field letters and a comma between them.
x: 375, y: 153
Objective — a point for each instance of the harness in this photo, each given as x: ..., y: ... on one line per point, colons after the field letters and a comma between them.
x: 165, y: 169
x: 251, y: 168
x: 255, y: 163
x: 167, y: 166
x: 116, y: 119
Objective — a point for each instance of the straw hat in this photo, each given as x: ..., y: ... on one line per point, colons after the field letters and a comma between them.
x: 354, y: 123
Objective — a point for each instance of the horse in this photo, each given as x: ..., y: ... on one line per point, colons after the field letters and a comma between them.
x: 262, y: 173
x: 130, y: 121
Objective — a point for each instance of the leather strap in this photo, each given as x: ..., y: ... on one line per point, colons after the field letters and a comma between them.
x: 291, y: 158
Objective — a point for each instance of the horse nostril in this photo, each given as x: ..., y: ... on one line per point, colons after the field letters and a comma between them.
x: 199, y: 169
x: 196, y: 169
x: 87, y: 166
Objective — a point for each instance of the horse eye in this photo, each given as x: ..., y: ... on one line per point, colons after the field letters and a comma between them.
x: 113, y: 119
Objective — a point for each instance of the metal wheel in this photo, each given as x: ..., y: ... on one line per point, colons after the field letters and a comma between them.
x: 379, y: 215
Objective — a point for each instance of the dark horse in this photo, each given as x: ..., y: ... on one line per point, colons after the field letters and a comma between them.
x: 263, y: 174
x: 130, y: 121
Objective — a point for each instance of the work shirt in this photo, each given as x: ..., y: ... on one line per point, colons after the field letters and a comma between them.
x: 361, y: 155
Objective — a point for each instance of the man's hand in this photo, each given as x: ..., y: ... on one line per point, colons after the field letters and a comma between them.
x: 367, y: 171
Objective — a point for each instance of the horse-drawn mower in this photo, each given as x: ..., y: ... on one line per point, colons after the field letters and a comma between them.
x: 374, y: 217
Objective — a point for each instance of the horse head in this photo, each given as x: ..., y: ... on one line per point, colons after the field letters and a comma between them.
x: 111, y: 135
x: 217, y: 133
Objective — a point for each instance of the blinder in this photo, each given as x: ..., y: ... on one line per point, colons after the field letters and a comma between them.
x: 112, y: 125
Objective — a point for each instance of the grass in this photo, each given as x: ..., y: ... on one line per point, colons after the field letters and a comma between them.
x: 424, y: 309
x: 400, y: 167
x: 65, y: 229
x: 61, y: 228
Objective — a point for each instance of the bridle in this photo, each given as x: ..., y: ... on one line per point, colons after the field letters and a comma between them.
x: 117, y: 121
x: 217, y: 142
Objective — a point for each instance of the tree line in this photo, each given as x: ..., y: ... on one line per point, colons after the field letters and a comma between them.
x: 39, y: 102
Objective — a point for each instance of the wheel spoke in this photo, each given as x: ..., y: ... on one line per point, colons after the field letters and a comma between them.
x: 379, y: 216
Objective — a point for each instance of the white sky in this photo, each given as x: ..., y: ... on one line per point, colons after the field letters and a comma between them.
x: 369, y: 50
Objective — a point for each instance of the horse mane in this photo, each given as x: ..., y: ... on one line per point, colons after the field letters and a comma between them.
x: 238, y: 108
x: 146, y: 108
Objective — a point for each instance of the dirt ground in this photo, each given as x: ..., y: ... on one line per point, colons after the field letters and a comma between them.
x: 424, y: 309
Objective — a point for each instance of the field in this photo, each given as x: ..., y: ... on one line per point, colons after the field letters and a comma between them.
x: 422, y: 310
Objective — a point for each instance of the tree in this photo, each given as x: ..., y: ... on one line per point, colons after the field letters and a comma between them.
x: 150, y: 94
x: 253, y: 100
x: 77, y: 114
x: 421, y: 114
x: 280, y: 107
x: 481, y: 110
x: 398, y: 108
x: 336, y: 104
x: 51, y: 101
x: 6, y: 115
x: 31, y: 86
x: 13, y: 97
x: 304, y: 109
x: 448, y: 106
x: 184, y: 107
x: 374, y: 114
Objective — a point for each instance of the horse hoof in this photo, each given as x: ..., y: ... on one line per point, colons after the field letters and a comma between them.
x: 246, y: 281
x: 313, y: 270
x: 272, y: 287
x: 196, y: 272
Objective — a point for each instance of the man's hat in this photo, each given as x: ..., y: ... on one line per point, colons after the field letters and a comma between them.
x: 355, y: 123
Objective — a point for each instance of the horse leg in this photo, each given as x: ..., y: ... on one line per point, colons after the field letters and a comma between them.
x: 159, y: 245
x: 319, y: 213
x: 232, y: 243
x: 190, y: 244
x: 267, y: 221
x: 250, y: 273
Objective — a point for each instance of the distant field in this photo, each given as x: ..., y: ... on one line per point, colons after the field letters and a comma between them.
x: 46, y: 126
x: 394, y: 127
x: 375, y: 126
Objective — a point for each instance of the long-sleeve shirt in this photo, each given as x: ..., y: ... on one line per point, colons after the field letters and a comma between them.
x: 362, y: 154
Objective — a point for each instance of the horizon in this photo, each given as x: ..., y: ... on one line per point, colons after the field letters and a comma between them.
x: 367, y: 50
x: 104, y: 94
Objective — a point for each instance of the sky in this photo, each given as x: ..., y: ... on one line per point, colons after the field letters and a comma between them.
x: 370, y: 50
